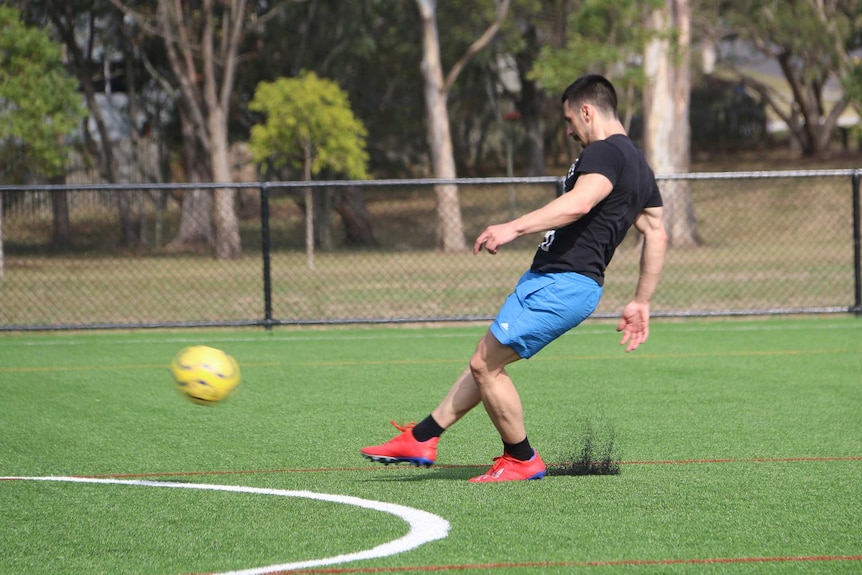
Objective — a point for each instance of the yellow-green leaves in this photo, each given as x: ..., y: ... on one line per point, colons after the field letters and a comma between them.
x: 308, y: 126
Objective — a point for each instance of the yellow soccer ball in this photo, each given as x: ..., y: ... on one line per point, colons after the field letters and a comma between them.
x: 205, y: 375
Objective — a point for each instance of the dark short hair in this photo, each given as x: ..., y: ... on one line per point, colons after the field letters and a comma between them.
x: 592, y: 88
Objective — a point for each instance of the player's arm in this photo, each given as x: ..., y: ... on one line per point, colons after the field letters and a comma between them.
x: 635, y: 318
x: 589, y: 190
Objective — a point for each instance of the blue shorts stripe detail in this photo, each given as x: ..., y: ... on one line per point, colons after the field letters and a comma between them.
x: 543, y: 307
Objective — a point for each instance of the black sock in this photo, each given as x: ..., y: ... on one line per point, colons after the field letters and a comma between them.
x: 427, y: 429
x: 522, y: 451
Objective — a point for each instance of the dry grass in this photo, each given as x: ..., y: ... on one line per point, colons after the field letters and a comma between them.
x: 766, y: 243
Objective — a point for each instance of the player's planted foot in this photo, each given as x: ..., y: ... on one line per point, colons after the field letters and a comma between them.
x: 507, y: 468
x: 403, y: 448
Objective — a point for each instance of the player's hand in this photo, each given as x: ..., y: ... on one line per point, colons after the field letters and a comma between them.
x: 634, y: 324
x: 493, y: 237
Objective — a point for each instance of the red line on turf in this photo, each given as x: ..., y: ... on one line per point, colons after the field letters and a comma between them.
x: 222, y: 472
x: 536, y: 564
x: 547, y: 564
x: 378, y: 468
x: 744, y: 460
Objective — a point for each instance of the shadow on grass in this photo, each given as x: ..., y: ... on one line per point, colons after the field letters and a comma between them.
x: 440, y: 473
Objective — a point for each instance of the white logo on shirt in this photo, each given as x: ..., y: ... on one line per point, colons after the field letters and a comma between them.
x: 549, y: 239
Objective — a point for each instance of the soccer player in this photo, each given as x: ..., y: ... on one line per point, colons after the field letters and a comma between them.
x: 609, y: 188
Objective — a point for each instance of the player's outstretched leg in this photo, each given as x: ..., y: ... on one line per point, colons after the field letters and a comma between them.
x: 403, y: 448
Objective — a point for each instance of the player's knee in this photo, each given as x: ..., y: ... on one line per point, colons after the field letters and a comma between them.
x: 478, y: 368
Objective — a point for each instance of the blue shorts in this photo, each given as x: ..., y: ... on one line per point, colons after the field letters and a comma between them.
x: 543, y: 307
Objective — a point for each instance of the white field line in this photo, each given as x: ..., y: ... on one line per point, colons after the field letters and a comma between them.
x: 424, y: 527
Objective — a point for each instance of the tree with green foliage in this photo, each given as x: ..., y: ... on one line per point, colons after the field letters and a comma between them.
x: 93, y: 34
x: 310, y: 127
x: 39, y: 104
x: 606, y: 37
x: 813, y: 43
x: 368, y: 48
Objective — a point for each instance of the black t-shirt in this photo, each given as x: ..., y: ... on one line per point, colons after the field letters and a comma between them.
x: 587, y: 245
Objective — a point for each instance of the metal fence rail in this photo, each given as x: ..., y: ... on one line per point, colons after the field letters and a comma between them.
x: 764, y: 243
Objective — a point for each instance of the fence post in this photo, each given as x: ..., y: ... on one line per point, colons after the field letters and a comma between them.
x: 857, y: 244
x: 265, y: 248
x: 561, y: 187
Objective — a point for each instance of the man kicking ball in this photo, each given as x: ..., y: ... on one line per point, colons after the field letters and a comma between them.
x: 609, y: 188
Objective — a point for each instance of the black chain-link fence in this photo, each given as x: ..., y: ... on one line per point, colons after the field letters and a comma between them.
x: 112, y: 256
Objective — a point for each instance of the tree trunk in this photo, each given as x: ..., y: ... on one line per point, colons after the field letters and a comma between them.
x: 814, y: 133
x: 244, y: 170
x: 666, y: 107
x: 309, y: 211
x: 532, y: 102
x: 449, y: 224
x: 323, y: 221
x: 61, y: 231
x: 227, y: 239
x: 531, y: 105
x: 350, y: 205
x: 202, y: 48
x: 196, y: 229
x: 196, y: 219
x: 64, y: 21
x: 2, y: 267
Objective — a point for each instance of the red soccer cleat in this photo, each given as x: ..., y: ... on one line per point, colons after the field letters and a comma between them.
x: 403, y: 448
x: 507, y: 468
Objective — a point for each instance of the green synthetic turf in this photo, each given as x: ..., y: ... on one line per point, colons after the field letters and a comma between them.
x: 739, y: 441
